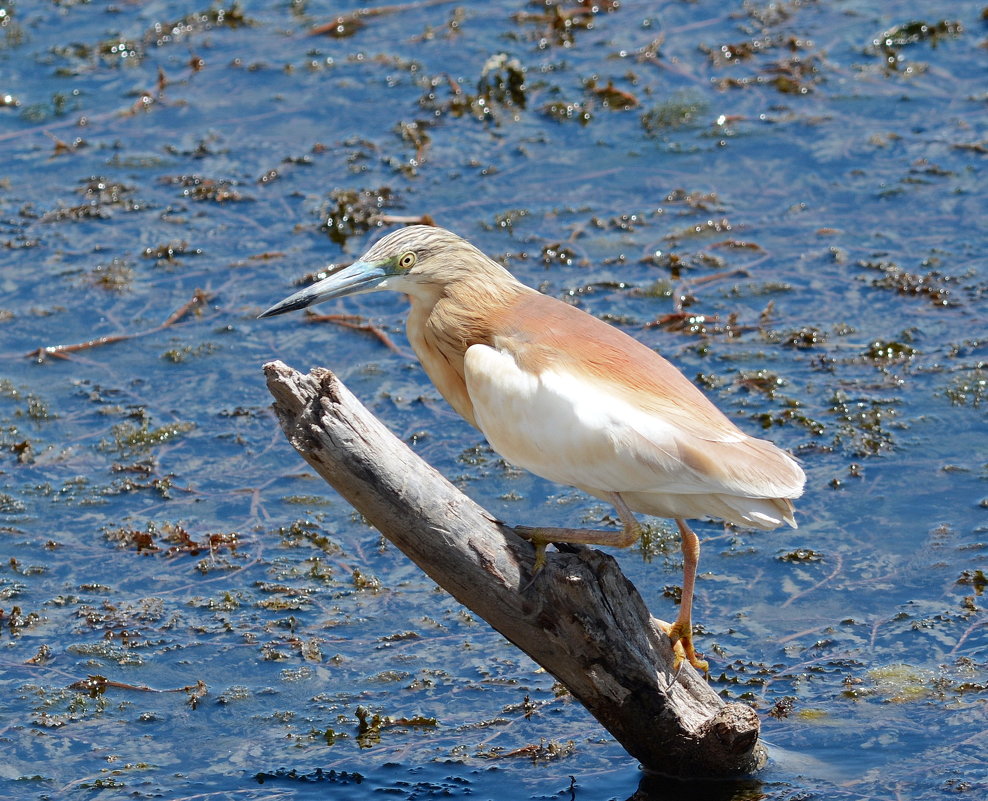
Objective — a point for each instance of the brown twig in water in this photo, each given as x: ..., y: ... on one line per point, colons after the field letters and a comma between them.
x: 356, y: 322
x: 680, y: 294
x: 837, y: 568
x: 342, y: 22
x: 64, y: 147
x: 199, y: 296
x: 397, y: 219
x: 97, y: 684
x: 454, y: 87
x: 960, y: 640
x: 737, y: 244
x: 62, y: 351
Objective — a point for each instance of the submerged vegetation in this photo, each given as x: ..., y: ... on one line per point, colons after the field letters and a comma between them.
x: 785, y: 199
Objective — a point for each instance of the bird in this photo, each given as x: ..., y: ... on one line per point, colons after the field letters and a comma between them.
x: 572, y: 399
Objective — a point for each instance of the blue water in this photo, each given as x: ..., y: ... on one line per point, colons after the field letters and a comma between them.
x: 838, y: 206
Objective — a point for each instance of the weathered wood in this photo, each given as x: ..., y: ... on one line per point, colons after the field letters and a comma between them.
x: 581, y: 619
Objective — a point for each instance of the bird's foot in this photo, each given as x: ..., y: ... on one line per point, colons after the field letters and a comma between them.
x: 539, y: 563
x: 539, y: 542
x: 681, y: 635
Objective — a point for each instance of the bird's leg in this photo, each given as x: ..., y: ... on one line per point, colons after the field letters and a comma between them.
x: 540, y: 544
x: 681, y: 631
x: 541, y: 536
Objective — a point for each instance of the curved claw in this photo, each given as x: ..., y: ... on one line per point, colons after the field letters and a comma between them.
x: 681, y: 635
x: 540, y: 545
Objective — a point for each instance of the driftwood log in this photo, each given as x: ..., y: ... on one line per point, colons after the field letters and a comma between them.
x: 582, y: 620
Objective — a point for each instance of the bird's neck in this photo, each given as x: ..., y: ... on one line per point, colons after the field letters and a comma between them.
x: 446, y: 320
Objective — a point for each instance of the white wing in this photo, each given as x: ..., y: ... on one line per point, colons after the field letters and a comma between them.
x: 574, y: 431
x: 568, y: 430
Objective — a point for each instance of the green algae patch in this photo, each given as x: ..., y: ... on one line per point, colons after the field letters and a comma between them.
x: 680, y: 111
x: 901, y: 683
x: 132, y: 438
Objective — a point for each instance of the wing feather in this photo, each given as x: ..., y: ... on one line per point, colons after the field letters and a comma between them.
x: 568, y: 430
x: 576, y: 401
x: 545, y: 333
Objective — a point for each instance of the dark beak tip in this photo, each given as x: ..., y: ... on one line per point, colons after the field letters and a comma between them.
x: 289, y: 304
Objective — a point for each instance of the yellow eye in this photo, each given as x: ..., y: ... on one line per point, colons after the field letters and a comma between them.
x: 407, y: 261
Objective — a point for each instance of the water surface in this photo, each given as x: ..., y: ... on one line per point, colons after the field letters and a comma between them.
x: 807, y: 178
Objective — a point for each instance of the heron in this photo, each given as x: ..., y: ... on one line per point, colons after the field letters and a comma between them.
x: 572, y: 399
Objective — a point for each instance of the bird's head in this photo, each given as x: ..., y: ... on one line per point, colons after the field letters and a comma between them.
x: 412, y: 260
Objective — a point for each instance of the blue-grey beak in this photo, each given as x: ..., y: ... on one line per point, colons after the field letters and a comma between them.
x: 361, y: 276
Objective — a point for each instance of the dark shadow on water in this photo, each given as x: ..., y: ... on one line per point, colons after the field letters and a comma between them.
x: 785, y: 773
x: 662, y: 788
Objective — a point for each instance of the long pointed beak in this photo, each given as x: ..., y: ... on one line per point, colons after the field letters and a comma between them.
x: 361, y: 276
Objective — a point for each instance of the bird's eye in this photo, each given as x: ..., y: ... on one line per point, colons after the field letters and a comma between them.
x: 407, y: 261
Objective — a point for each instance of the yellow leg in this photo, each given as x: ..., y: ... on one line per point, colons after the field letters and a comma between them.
x: 540, y: 545
x: 678, y: 652
x: 681, y: 631
x: 540, y: 537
